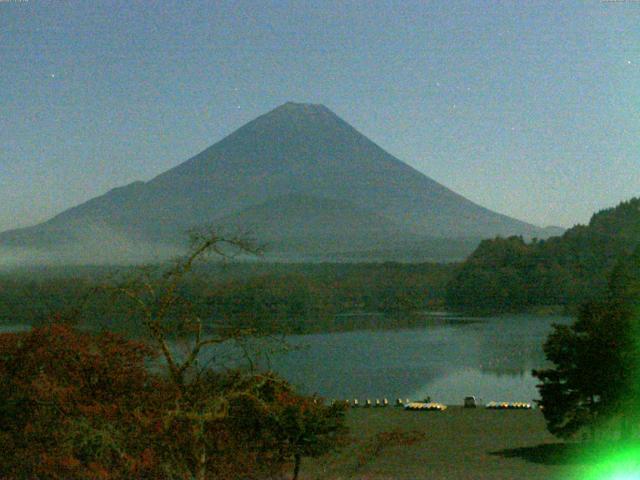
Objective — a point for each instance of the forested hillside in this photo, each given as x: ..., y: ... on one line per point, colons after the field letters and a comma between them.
x: 289, y: 297
x: 509, y: 274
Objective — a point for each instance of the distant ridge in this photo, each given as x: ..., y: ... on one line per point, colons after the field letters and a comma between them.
x: 295, y: 157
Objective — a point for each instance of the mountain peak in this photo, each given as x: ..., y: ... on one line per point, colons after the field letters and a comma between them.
x: 308, y: 107
x: 309, y: 122
x: 298, y: 148
x: 301, y: 110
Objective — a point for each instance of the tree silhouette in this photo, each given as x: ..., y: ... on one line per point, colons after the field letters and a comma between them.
x: 596, y: 360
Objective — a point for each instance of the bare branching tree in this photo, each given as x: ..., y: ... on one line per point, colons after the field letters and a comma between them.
x: 168, y: 315
x: 170, y: 318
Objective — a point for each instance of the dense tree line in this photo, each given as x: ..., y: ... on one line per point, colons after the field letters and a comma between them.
x: 510, y: 274
x: 297, y: 302
x: 294, y: 297
x: 596, y: 360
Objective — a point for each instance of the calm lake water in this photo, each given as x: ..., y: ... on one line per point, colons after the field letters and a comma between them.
x: 447, y: 359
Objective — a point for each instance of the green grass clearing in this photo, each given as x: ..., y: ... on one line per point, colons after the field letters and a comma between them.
x: 459, y: 444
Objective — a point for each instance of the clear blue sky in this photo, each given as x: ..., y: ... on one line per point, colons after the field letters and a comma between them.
x: 528, y: 108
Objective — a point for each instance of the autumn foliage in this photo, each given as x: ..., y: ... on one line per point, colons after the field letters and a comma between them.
x: 73, y: 405
x: 254, y: 426
x: 80, y: 405
x: 77, y: 405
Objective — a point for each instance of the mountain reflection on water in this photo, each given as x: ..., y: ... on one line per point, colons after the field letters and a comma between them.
x: 447, y: 359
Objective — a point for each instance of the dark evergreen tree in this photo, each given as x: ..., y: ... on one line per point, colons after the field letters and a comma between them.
x: 596, y: 360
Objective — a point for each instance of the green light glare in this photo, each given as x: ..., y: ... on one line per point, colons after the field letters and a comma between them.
x: 625, y: 476
x: 613, y: 458
x: 619, y: 463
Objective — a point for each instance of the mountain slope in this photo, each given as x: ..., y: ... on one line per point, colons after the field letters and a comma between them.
x: 296, y: 149
x: 300, y: 216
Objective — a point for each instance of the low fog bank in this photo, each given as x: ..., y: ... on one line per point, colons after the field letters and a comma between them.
x: 86, y: 254
x: 94, y: 245
x: 80, y: 244
x: 100, y: 244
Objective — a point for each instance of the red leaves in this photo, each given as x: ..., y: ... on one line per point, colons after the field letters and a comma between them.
x: 69, y: 462
x: 74, y: 405
x: 97, y: 472
x: 77, y: 406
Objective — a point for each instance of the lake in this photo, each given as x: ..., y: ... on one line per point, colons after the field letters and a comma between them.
x: 447, y: 359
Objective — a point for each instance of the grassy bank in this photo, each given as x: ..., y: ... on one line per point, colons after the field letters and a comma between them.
x: 459, y: 444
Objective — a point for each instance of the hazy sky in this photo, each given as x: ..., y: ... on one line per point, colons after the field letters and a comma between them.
x: 529, y: 108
